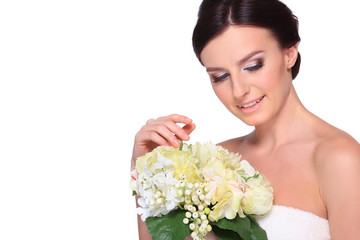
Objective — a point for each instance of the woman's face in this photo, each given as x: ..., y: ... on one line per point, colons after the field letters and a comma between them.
x: 250, y: 73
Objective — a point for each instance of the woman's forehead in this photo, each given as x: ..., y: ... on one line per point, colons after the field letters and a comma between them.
x: 237, y: 41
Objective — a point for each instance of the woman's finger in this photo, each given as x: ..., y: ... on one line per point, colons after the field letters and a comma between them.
x: 189, y: 128
x: 156, y: 138
x: 178, y: 131
x: 165, y: 133
x: 177, y: 118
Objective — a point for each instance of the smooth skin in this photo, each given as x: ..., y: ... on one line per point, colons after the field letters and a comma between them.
x: 312, y: 165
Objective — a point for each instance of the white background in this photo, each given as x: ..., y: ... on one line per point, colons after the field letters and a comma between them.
x: 79, y: 78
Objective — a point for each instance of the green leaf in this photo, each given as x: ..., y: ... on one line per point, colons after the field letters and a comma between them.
x: 257, y: 232
x: 241, y: 226
x: 181, y: 145
x: 239, y: 229
x: 224, y: 234
x: 134, y: 193
x: 256, y: 175
x: 246, y: 178
x: 169, y: 226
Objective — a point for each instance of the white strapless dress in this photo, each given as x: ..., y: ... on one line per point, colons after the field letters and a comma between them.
x: 287, y: 223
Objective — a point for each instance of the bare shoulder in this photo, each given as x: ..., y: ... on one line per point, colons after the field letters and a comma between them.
x: 234, y: 144
x: 337, y: 165
x: 336, y: 147
x: 335, y: 152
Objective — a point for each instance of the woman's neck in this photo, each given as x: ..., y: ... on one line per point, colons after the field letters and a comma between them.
x: 289, y: 124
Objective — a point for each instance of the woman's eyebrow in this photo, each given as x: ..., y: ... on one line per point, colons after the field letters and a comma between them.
x: 248, y: 56
x: 241, y: 61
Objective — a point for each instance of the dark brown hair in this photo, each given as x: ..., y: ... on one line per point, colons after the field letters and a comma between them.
x: 216, y: 15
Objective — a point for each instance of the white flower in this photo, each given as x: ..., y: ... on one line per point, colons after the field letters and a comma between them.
x: 225, y: 192
x: 162, y: 162
x: 258, y: 197
x: 160, y: 180
x: 247, y: 169
x: 204, y: 152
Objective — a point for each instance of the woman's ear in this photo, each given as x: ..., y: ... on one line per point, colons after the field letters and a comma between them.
x: 291, y: 55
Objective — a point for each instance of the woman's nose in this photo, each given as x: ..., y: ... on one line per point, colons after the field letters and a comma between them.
x: 239, y: 87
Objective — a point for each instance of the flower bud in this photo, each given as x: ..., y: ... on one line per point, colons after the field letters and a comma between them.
x: 190, y: 208
x: 185, y: 220
x: 204, y: 225
x: 201, y: 229
x: 194, y: 234
x: 157, y: 194
x: 202, y: 197
x: 207, y: 210
x: 201, y: 207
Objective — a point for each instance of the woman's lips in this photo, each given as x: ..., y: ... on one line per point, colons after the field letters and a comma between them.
x: 251, y: 106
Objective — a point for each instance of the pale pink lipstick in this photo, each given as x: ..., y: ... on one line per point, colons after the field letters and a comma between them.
x: 251, y: 106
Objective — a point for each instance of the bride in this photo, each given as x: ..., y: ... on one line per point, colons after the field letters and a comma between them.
x: 250, y: 51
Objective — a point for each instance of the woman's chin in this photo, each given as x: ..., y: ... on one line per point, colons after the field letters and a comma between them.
x: 252, y: 120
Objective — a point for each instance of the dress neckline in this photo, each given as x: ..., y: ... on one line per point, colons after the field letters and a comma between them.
x: 300, y: 210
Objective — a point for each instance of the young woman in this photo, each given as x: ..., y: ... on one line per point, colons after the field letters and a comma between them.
x: 249, y: 49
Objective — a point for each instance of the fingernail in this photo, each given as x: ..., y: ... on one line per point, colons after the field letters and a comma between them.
x: 176, y: 142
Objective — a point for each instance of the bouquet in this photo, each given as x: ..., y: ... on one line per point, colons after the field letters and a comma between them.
x: 200, y: 188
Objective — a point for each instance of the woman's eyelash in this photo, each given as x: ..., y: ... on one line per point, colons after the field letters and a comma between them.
x: 221, y: 77
x: 255, y: 67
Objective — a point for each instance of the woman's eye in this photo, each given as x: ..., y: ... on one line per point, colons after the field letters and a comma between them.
x: 255, y: 67
x: 220, y: 78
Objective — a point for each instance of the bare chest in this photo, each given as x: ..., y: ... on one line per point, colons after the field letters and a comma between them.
x: 292, y: 175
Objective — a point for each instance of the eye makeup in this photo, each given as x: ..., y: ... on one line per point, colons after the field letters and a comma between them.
x: 259, y: 64
x: 220, y: 78
x: 250, y: 63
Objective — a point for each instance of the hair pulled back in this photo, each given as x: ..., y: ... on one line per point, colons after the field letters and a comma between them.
x: 216, y: 15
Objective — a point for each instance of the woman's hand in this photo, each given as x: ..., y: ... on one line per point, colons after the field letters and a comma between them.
x: 162, y: 131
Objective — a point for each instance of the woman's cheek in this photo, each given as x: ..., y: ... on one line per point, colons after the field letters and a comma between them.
x: 220, y: 92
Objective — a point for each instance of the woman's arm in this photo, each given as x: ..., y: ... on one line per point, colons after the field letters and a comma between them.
x: 143, y: 231
x: 338, y: 167
x: 162, y: 131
